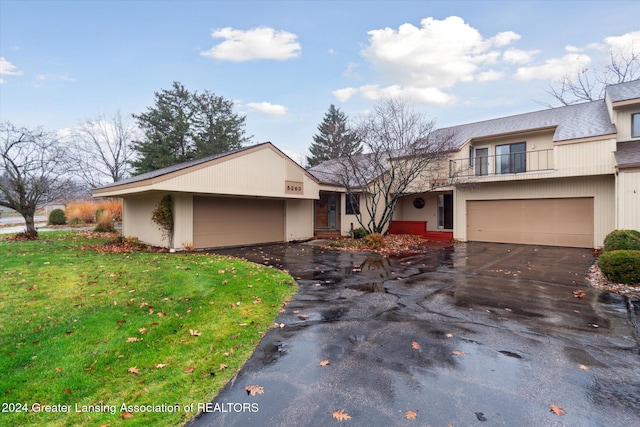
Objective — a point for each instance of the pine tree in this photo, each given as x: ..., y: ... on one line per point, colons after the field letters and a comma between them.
x: 334, y: 140
x: 182, y: 126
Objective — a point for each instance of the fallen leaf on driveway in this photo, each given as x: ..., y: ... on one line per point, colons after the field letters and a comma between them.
x: 584, y: 367
x: 556, y: 410
x: 449, y: 335
x: 254, y: 389
x: 459, y: 353
x: 410, y: 415
x: 578, y: 293
x: 325, y: 363
x: 341, y: 415
x: 415, y: 346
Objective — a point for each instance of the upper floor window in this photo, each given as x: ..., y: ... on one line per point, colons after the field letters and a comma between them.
x: 511, y: 158
x: 635, y: 125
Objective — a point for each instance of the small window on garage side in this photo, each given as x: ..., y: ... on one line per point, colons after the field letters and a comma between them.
x: 353, y: 204
x: 635, y: 125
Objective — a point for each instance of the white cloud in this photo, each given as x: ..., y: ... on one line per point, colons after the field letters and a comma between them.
x: 41, y: 78
x: 438, y: 54
x: 554, y: 68
x: 267, y: 108
x: 505, y: 38
x: 518, y: 56
x: 7, y: 69
x: 575, y: 49
x: 372, y: 92
x: 491, y: 75
x: 257, y: 43
x: 625, y: 44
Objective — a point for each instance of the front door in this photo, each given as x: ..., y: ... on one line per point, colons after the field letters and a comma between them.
x: 326, y: 211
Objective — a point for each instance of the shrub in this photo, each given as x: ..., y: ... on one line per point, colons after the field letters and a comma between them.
x: 87, y: 211
x: 621, y: 266
x: 375, y: 241
x: 57, y: 217
x: 105, y: 221
x: 360, y: 233
x: 622, y: 240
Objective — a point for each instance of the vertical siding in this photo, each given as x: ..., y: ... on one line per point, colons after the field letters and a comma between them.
x: 405, y: 210
x: 601, y: 188
x: 587, y: 158
x: 137, y: 219
x: 623, y: 118
x: 183, y: 220
x: 628, y: 196
x: 299, y: 219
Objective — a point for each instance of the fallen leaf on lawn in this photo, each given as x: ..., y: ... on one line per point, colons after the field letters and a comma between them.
x: 160, y: 365
x: 222, y: 367
x: 189, y: 370
x: 257, y: 301
x: 556, y: 410
x: 410, y: 415
x: 254, y: 389
x: 341, y: 415
x: 194, y: 332
x: 132, y: 339
x: 126, y: 415
x: 415, y: 346
x: 142, y: 330
x: 67, y: 390
x: 32, y: 288
x: 584, y: 367
x: 58, y: 369
x: 161, y: 314
x: 325, y: 363
x: 459, y: 353
x: 133, y: 370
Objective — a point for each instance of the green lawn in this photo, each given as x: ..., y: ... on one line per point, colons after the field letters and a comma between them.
x: 82, y: 330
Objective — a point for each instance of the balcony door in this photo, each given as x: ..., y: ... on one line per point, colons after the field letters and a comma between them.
x: 481, y: 160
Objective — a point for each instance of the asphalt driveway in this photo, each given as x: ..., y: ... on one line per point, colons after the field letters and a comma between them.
x: 475, y: 334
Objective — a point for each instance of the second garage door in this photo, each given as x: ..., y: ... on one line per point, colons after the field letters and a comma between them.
x: 228, y: 221
x: 552, y: 222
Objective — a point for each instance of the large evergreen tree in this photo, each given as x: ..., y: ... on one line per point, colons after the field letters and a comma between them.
x: 334, y: 140
x: 183, y: 126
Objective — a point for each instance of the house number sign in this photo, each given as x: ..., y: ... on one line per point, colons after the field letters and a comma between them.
x: 293, y: 187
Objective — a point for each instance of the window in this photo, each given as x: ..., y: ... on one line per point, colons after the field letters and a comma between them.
x: 353, y: 204
x: 635, y: 125
x: 480, y: 160
x: 511, y: 158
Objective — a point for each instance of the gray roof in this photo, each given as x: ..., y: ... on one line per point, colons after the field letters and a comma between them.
x: 628, y: 153
x: 571, y: 122
x: 624, y: 91
x: 178, y: 167
x: 333, y: 171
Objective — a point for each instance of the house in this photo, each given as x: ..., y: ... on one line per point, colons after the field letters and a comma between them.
x: 563, y: 177
x: 247, y: 196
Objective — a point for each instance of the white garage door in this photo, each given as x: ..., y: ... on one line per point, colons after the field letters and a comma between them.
x: 228, y: 221
x: 552, y: 222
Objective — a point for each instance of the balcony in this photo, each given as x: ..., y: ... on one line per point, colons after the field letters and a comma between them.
x: 502, y: 164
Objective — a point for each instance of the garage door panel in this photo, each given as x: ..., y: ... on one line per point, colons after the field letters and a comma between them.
x: 227, y: 221
x: 555, y: 222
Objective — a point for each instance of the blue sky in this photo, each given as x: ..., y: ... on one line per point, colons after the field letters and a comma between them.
x: 284, y: 62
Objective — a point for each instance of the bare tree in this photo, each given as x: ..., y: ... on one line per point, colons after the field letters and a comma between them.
x: 100, y: 148
x: 31, y: 171
x: 402, y: 152
x: 588, y: 84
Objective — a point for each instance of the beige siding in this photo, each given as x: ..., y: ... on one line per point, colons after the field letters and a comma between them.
x: 628, y: 215
x: 405, y: 210
x: 137, y: 222
x: 260, y: 173
x: 623, y: 123
x: 602, y: 189
x: 586, y: 158
x: 183, y: 220
x: 299, y: 222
